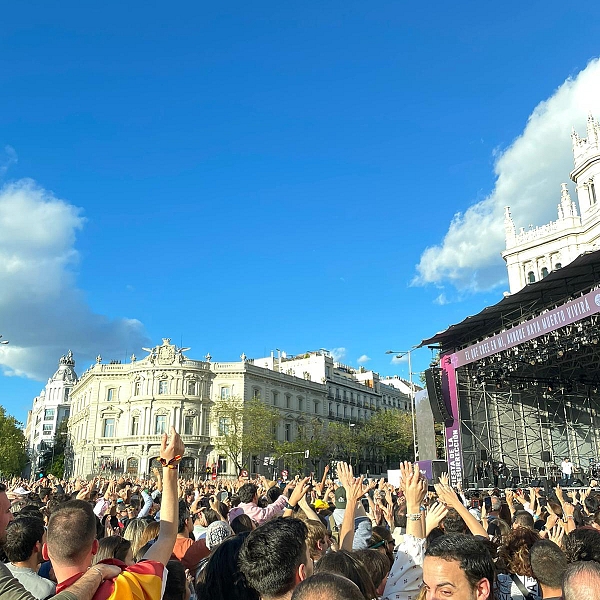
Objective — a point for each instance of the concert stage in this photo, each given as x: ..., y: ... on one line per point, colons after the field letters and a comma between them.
x: 518, y: 384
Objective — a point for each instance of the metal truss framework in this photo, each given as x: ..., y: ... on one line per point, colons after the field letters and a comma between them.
x: 514, y: 424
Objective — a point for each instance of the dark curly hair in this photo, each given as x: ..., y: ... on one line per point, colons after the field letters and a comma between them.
x: 582, y: 544
x: 514, y: 553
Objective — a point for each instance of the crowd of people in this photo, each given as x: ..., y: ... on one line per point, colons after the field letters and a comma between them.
x: 339, y: 537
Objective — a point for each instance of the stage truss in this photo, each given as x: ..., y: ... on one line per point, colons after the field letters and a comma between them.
x: 542, y: 395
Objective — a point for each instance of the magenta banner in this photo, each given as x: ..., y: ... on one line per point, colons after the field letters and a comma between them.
x: 453, y: 441
x: 554, y: 319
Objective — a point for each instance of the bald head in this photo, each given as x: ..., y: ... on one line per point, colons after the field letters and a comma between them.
x: 582, y: 580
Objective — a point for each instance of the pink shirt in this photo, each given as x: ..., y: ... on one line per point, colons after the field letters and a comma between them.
x: 260, y: 515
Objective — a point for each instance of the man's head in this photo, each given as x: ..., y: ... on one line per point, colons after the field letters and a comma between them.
x: 523, y: 518
x: 5, y: 515
x: 327, y: 586
x: 248, y: 493
x: 453, y: 522
x: 458, y: 564
x: 24, y: 537
x: 71, y: 535
x: 185, y: 523
x: 274, y: 558
x: 548, y: 564
x: 581, y: 580
x: 496, y: 504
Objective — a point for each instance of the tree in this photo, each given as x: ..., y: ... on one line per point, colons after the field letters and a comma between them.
x: 13, y: 456
x: 313, y: 436
x: 391, y: 433
x: 243, y: 428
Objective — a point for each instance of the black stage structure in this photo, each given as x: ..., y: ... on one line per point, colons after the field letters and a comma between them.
x: 519, y: 383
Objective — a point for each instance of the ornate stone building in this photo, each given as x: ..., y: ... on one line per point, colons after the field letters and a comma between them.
x: 531, y: 254
x: 120, y: 411
x: 50, y: 408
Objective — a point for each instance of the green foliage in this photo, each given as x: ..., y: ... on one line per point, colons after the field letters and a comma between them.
x: 243, y: 428
x: 13, y: 457
x: 391, y: 432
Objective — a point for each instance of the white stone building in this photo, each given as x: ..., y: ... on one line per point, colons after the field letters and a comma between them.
x: 531, y: 254
x: 119, y: 411
x: 49, y: 409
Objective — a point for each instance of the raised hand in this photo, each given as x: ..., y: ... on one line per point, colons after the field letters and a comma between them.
x: 435, y: 514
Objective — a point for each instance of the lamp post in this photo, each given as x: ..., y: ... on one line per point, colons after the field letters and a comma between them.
x: 402, y: 354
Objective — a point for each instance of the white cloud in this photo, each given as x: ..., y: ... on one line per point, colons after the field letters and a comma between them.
x: 338, y: 354
x: 361, y: 360
x: 44, y: 314
x: 529, y: 173
x: 10, y: 158
x: 441, y: 300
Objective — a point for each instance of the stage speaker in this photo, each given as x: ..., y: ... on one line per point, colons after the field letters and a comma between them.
x: 433, y: 380
x: 437, y: 468
x: 545, y: 456
x: 483, y: 455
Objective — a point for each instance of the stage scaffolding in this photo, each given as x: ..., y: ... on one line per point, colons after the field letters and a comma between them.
x: 514, y: 426
x: 522, y: 378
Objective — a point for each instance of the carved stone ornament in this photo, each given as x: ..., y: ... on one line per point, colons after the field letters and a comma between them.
x: 166, y: 353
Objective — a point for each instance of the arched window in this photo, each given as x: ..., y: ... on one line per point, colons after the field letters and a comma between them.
x: 558, y: 266
x: 544, y: 272
x: 531, y: 277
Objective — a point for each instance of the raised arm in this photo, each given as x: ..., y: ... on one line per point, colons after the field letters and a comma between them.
x: 170, y: 455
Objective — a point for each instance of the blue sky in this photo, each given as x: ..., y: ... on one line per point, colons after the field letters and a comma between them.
x: 248, y: 177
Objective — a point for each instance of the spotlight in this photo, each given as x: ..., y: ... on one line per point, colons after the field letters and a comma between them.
x: 560, y: 353
x: 550, y: 387
x: 498, y: 385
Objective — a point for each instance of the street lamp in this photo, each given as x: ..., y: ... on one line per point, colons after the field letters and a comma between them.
x: 3, y: 341
x: 402, y: 354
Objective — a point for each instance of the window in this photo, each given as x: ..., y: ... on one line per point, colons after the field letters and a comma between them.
x: 223, y: 426
x: 137, y: 388
x: 109, y: 428
x: 225, y: 393
x: 316, y: 407
x: 593, y: 193
x: 300, y: 404
x: 222, y: 464
x: 256, y: 394
x: 531, y: 277
x: 135, y: 425
x: 275, y: 398
x: 47, y: 429
x: 206, y: 422
x: 544, y: 272
x: 163, y: 387
x: 110, y: 394
x: 287, y: 432
x: 287, y: 400
x: 49, y: 414
x: 188, y: 425
x: 66, y: 396
x: 558, y: 266
x: 160, y: 424
x: 191, y: 388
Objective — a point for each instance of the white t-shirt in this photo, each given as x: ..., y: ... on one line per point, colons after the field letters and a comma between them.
x: 566, y: 467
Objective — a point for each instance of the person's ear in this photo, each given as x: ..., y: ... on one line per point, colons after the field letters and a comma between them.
x: 301, y: 573
x: 95, y: 546
x: 45, y: 552
x: 483, y: 589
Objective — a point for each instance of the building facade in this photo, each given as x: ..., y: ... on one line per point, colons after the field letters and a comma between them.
x: 531, y: 254
x: 49, y: 409
x: 119, y: 411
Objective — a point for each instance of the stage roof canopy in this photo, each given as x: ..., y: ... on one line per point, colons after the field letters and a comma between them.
x: 559, y: 286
